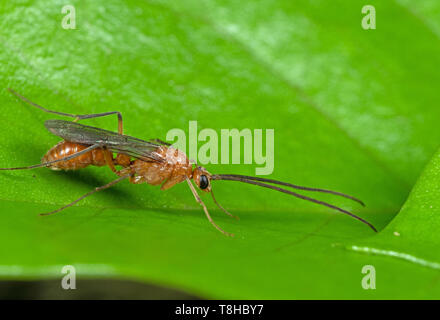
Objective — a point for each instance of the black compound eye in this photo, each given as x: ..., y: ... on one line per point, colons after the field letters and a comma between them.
x: 204, y: 182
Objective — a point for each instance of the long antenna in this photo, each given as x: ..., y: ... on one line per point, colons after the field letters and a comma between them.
x: 264, y: 185
x: 281, y: 183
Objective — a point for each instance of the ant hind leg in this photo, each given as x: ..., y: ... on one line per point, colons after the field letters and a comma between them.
x: 76, y: 116
x: 106, y: 186
x: 46, y: 164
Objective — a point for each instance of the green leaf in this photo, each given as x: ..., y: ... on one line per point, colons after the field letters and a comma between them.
x: 353, y: 110
x: 412, y: 235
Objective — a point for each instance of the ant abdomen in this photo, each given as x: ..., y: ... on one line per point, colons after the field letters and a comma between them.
x: 66, y: 148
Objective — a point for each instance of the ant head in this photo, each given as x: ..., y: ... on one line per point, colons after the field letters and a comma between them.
x: 202, y: 178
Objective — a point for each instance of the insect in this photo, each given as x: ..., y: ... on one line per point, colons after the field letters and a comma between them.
x: 154, y: 162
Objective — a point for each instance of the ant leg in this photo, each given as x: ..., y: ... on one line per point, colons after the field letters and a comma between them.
x: 194, y: 192
x: 76, y: 116
x: 108, y: 156
x: 72, y: 156
x: 108, y: 185
x: 223, y: 209
x: 97, y: 115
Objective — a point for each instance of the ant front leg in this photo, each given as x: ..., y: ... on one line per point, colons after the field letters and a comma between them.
x: 197, y: 197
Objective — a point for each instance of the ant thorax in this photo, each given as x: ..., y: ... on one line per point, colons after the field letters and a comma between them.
x: 174, y: 169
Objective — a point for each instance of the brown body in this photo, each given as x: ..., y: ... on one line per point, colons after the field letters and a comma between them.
x: 65, y: 148
x: 174, y: 169
x: 155, y: 163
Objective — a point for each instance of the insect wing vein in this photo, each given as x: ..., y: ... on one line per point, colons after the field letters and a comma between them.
x: 79, y: 133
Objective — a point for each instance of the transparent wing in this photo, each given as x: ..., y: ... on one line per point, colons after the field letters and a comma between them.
x: 79, y: 133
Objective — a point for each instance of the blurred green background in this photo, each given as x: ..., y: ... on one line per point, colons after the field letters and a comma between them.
x: 353, y: 110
